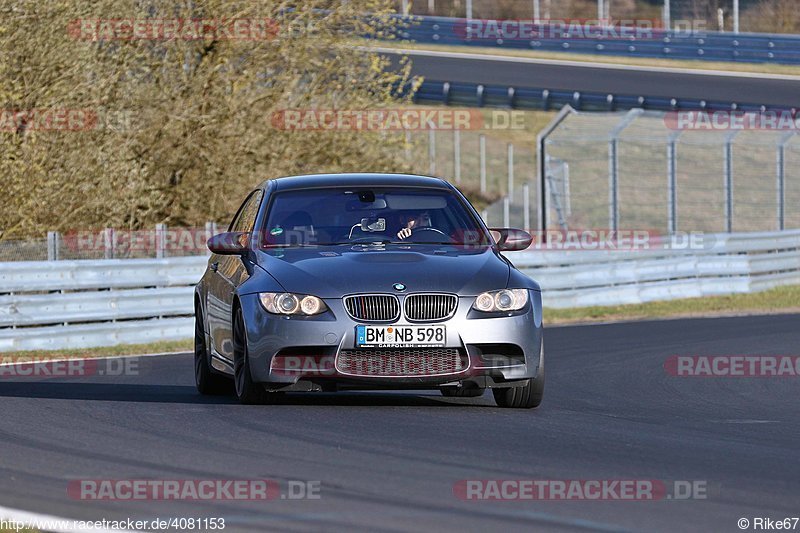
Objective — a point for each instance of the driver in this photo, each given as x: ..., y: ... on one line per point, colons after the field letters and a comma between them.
x: 421, y: 220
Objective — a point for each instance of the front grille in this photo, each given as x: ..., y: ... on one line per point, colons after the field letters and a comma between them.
x: 373, y: 307
x: 401, y: 362
x: 430, y: 306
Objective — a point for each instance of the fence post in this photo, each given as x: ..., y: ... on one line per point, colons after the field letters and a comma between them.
x: 542, y: 164
x: 510, y: 172
x: 781, y: 177
x: 482, y: 146
x: 109, y: 242
x: 526, y: 206
x: 728, y: 170
x: 506, y: 212
x: 161, y: 237
x: 432, y: 152
x: 672, y: 183
x: 457, y: 155
x: 52, y: 245
x: 613, y: 168
x: 613, y: 185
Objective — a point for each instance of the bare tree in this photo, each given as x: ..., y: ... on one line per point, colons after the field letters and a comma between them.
x: 182, y: 125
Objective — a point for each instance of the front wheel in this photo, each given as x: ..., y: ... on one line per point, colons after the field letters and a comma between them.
x: 526, y: 397
x: 206, y: 381
x: 247, y: 391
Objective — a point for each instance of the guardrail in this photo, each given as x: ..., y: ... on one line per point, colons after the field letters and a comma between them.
x: 732, y: 263
x: 478, y: 95
x: 77, y: 304
x: 705, y: 45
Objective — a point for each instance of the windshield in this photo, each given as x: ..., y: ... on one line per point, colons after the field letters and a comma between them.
x: 385, y: 215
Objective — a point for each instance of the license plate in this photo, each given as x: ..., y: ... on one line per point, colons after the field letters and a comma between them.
x: 400, y: 336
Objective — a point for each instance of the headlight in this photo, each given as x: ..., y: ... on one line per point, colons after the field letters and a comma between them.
x: 501, y: 301
x: 286, y: 303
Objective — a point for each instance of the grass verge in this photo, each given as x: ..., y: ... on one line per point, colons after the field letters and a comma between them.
x: 779, y: 300
x: 108, y: 351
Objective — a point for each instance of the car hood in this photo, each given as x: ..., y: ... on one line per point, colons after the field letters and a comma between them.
x: 335, y: 271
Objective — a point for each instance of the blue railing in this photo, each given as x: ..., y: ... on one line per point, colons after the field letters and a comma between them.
x: 475, y: 95
x: 709, y: 46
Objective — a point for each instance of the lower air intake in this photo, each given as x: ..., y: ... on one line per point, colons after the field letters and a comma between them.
x: 401, y: 362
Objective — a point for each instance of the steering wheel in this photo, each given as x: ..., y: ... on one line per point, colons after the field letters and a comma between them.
x: 417, y: 231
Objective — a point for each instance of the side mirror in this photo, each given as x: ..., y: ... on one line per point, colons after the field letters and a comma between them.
x: 511, y: 240
x: 233, y: 243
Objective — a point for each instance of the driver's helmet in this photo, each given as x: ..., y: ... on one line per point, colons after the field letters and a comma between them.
x: 424, y: 220
x: 421, y: 219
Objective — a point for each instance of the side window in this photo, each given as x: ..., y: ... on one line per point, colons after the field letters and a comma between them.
x: 245, y: 219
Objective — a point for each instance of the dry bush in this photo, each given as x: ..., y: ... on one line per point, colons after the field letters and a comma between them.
x: 773, y: 16
x: 185, y: 126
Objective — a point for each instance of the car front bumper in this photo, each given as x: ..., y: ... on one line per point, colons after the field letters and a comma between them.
x: 498, y: 350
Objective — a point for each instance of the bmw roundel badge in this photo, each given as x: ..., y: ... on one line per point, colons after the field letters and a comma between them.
x: 399, y: 287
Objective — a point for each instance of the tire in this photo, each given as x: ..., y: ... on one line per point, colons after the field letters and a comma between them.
x: 462, y: 392
x: 528, y: 396
x: 206, y: 380
x: 247, y: 391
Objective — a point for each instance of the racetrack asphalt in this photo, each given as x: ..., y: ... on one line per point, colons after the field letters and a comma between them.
x: 388, y: 461
x: 747, y: 88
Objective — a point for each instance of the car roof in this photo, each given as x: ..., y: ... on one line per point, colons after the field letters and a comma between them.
x: 311, y: 181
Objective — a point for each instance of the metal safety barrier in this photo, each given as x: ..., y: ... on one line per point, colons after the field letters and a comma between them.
x: 725, y: 264
x: 79, y: 304
x: 48, y: 305
x: 689, y: 44
x: 547, y: 99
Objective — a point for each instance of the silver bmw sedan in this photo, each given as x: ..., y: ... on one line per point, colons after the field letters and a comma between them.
x: 366, y: 281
